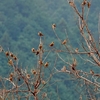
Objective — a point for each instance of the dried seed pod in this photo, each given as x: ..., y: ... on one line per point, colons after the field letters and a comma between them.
x: 51, y: 44
x: 53, y: 26
x: 7, y: 53
x: 37, y: 52
x: 28, y: 76
x: 91, y: 72
x: 11, y: 78
x: 88, y: 4
x: 44, y: 95
x: 33, y: 50
x: 11, y: 54
x: 10, y: 62
x: 64, y: 42
x: 84, y: 3
x: 40, y: 33
x: 71, y: 3
x: 15, y: 58
x: 75, y: 62
x: 76, y: 50
x: 11, y: 74
x: 34, y: 72
x: 63, y: 69
x: 40, y: 62
x: 36, y: 91
x: 46, y: 64
x: 89, y: 54
x: 43, y: 82
x: 80, y: 98
x: 40, y: 46
x: 73, y: 68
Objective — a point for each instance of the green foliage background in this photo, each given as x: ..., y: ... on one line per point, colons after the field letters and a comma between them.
x: 21, y: 20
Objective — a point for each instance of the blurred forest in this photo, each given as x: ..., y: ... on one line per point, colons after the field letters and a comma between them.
x: 21, y: 20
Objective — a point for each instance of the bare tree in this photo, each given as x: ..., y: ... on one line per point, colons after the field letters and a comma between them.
x: 21, y: 84
x: 90, y: 81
